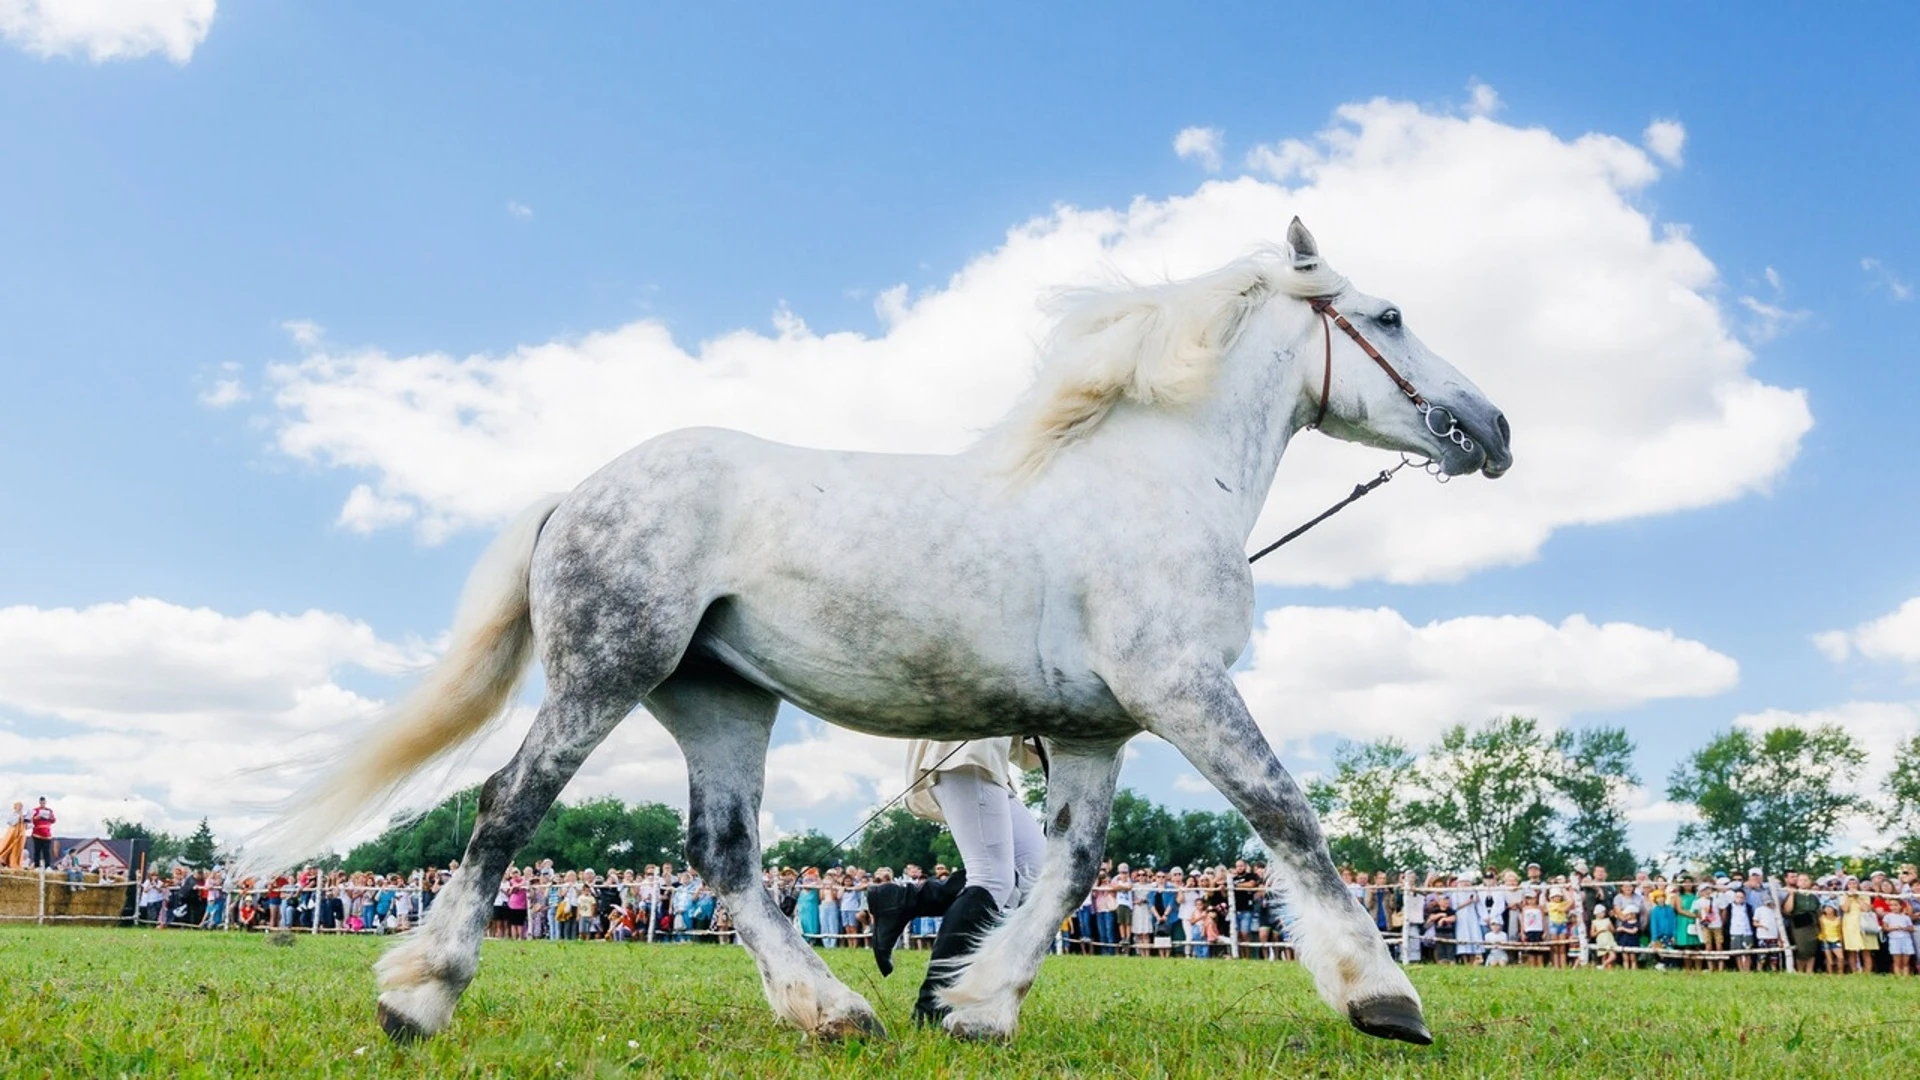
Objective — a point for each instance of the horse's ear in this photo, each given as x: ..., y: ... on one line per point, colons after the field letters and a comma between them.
x: 1306, y: 254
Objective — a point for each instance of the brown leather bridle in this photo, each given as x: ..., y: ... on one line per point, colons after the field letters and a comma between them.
x: 1329, y: 318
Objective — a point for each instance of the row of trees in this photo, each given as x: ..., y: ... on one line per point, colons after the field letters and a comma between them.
x: 1504, y: 793
x: 1508, y: 792
x: 197, y: 850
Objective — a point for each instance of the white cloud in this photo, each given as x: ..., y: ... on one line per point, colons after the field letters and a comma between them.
x: 1283, y: 160
x: 518, y: 209
x: 1522, y: 257
x: 1483, y: 100
x: 1770, y: 320
x: 1894, y: 636
x: 151, y: 707
x: 107, y: 29
x: 1880, y: 727
x: 305, y: 332
x: 224, y: 392
x: 1884, y: 277
x: 1201, y: 144
x: 1195, y: 784
x: 151, y: 711
x: 1666, y: 139
x: 1368, y: 673
x: 365, y: 511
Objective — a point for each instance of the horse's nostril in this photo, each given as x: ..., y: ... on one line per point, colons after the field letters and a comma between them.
x: 1500, y: 424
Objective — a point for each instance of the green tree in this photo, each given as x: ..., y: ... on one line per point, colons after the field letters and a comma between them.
x: 1595, y: 776
x: 801, y: 850
x: 162, y: 847
x: 1902, y: 814
x: 1204, y: 838
x: 1140, y: 832
x: 597, y: 833
x: 604, y: 832
x: 1772, y: 800
x: 1487, y: 795
x: 1366, y: 806
x: 897, y: 838
x: 198, y: 850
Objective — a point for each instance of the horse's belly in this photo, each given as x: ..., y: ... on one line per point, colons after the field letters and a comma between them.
x: 922, y: 689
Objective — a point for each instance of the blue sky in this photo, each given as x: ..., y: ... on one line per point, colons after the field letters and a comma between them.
x: 470, y: 178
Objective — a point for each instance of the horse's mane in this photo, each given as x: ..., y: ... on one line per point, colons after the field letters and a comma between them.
x: 1156, y: 344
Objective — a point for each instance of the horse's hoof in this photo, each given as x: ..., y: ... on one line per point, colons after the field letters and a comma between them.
x: 398, y: 1028
x: 1391, y: 1018
x: 974, y: 1030
x: 855, y: 1026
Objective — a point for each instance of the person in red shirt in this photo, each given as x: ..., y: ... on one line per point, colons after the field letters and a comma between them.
x: 42, y: 834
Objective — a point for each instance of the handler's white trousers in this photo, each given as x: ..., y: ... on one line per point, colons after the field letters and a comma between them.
x: 1000, y: 843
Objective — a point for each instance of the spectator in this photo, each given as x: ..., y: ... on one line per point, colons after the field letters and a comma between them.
x: 41, y: 821
x: 1898, y: 926
x: 13, y: 842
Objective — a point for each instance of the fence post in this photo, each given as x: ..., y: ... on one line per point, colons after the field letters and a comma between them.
x: 1406, y: 917
x: 1233, y: 920
x: 40, y: 919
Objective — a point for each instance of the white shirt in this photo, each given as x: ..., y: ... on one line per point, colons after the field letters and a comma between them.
x: 991, y: 758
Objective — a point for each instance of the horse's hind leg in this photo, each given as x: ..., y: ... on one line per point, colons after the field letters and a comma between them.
x: 985, y: 997
x: 722, y: 724
x: 422, y: 979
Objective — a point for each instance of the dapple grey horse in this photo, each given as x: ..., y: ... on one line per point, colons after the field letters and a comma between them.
x: 1079, y: 575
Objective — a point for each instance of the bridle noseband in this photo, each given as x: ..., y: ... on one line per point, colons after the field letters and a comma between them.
x: 1329, y: 318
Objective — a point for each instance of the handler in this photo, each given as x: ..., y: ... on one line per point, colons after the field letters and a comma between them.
x: 1000, y: 843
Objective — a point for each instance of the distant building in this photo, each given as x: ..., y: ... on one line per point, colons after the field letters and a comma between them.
x: 95, y: 855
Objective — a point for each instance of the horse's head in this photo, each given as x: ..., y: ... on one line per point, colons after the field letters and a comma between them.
x: 1366, y: 378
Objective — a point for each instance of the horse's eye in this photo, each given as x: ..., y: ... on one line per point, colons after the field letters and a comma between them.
x: 1389, y: 317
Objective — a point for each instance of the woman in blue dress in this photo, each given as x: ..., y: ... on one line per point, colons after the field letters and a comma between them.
x: 807, y: 906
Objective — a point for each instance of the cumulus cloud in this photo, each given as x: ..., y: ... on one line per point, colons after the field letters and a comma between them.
x: 1665, y: 139
x: 150, y: 707
x: 1523, y: 257
x: 1483, y: 100
x: 152, y: 711
x: 224, y: 392
x: 1200, y: 144
x: 519, y: 210
x: 107, y: 29
x: 1369, y: 673
x: 1893, y: 637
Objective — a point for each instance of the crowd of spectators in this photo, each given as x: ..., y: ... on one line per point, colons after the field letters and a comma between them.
x: 1836, y: 924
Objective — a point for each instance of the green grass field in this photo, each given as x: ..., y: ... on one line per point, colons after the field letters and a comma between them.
x: 105, y: 1003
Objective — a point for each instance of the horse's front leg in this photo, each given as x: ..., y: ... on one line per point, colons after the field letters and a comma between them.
x: 1194, y: 705
x: 986, y: 996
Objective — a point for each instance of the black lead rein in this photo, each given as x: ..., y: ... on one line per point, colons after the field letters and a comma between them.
x: 1358, y: 491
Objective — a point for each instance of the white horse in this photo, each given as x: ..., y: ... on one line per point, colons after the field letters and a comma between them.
x: 1080, y: 575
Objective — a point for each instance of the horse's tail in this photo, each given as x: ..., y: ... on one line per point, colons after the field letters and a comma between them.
x: 491, y: 643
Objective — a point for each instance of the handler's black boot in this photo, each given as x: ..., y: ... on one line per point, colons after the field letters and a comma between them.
x: 973, y: 913
x: 894, y: 904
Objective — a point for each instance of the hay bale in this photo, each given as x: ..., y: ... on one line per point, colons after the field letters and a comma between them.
x: 20, y: 898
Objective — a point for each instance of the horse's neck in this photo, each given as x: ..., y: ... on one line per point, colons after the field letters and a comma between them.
x: 1229, y: 446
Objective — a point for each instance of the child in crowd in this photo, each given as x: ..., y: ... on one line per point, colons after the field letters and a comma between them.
x: 1603, y: 942
x: 1557, y: 922
x: 1496, y: 936
x: 1832, y: 948
x: 1897, y: 925
x: 1766, y: 930
x: 1533, y: 927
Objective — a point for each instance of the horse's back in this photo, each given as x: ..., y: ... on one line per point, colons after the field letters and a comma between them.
x: 896, y: 593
